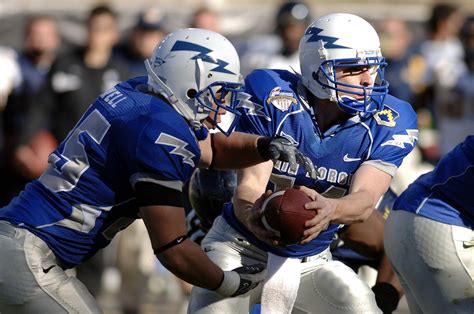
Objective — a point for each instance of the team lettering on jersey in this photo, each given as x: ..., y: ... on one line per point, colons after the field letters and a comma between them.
x: 113, y: 97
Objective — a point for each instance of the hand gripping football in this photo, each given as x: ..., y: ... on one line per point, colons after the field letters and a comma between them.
x: 285, y: 215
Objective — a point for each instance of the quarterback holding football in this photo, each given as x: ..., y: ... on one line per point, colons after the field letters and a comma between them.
x: 338, y: 113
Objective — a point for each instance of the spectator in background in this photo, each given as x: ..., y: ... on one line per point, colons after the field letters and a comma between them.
x: 464, y: 89
x: 78, y: 76
x: 443, y: 51
x: 467, y: 40
x: 444, y: 58
x: 405, y: 63
x: 291, y: 21
x: 205, y: 17
x: 405, y: 69
x: 10, y: 77
x: 28, y: 144
x: 147, y: 32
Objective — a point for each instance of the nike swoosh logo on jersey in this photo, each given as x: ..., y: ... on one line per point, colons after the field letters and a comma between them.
x: 346, y: 158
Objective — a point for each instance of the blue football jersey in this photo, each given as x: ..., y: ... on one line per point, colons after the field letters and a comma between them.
x: 87, y: 194
x: 446, y: 193
x: 278, y: 107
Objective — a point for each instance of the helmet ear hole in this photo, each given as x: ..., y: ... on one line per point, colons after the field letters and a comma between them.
x: 191, y: 93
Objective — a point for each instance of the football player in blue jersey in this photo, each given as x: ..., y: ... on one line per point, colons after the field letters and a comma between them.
x: 338, y: 112
x: 429, y: 236
x: 356, y: 245
x: 126, y: 158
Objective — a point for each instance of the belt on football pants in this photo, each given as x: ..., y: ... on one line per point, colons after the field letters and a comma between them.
x: 324, y: 254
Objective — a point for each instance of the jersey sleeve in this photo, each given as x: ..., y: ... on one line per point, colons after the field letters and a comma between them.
x: 395, y: 136
x: 468, y: 148
x: 272, y: 100
x: 161, y: 153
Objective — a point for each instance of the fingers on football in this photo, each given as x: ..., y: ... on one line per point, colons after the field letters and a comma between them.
x: 313, y: 232
x: 310, y: 192
x: 316, y: 204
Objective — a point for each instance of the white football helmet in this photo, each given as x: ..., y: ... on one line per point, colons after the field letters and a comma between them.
x: 189, y: 68
x: 343, y: 40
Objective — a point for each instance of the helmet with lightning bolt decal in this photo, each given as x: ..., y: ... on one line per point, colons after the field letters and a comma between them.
x: 198, y: 72
x: 341, y: 40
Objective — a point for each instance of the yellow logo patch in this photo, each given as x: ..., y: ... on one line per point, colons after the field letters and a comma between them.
x: 387, y: 117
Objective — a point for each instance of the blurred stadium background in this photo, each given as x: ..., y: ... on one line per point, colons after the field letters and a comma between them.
x: 237, y: 18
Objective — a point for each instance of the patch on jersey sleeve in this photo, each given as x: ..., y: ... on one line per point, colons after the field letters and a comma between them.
x: 386, y: 117
x: 281, y: 100
x: 400, y: 140
x: 179, y: 147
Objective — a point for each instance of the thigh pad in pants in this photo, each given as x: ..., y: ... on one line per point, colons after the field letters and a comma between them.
x: 334, y: 288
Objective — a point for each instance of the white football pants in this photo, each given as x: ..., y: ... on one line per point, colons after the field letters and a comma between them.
x: 31, y: 281
x: 326, y: 286
x: 434, y: 262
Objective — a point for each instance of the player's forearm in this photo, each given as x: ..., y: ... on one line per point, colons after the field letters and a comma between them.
x: 251, y: 185
x: 237, y: 151
x: 189, y: 263
x: 242, y: 209
x: 353, y: 208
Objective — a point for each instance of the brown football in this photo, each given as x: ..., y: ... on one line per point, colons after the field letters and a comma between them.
x: 285, y: 215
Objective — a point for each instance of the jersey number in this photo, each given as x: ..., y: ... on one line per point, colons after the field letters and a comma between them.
x: 65, y: 170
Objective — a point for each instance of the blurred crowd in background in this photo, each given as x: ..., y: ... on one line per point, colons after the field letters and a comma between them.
x: 48, y: 80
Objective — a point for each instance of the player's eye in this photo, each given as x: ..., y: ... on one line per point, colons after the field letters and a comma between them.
x: 355, y: 70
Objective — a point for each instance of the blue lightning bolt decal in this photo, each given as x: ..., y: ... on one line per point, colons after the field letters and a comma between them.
x: 203, y: 54
x: 329, y: 42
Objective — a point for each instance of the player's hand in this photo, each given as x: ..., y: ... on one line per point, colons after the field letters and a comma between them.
x: 280, y: 148
x: 253, y: 221
x: 241, y: 280
x: 325, y: 208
